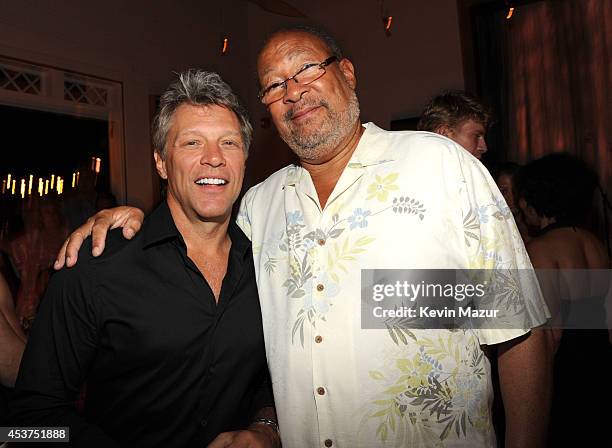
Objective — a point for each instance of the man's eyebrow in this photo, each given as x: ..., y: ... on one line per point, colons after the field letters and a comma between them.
x: 233, y: 133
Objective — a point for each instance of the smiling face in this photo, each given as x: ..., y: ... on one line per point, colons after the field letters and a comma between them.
x: 470, y: 134
x: 312, y: 119
x: 204, y: 163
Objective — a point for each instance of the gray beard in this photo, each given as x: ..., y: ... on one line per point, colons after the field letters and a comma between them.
x: 337, y: 125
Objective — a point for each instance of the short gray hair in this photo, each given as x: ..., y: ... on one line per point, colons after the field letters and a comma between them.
x: 197, y: 88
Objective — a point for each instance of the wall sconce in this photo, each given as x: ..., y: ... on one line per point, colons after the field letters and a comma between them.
x: 387, y: 21
x: 509, y: 10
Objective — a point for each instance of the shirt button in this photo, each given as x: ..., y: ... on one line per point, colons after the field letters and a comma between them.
x: 318, y: 339
x: 328, y: 443
x: 321, y: 242
x: 320, y: 287
x: 321, y: 390
x: 204, y: 422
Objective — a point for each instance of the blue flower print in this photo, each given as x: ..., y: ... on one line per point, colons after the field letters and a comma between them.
x: 358, y: 218
x: 294, y: 218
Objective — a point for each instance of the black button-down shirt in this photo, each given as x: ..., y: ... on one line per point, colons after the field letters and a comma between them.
x: 165, y: 365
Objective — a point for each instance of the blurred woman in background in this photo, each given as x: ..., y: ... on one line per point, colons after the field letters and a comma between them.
x: 555, y: 196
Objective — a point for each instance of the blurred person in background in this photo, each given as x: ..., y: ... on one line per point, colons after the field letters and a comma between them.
x: 555, y: 195
x: 32, y: 251
x: 504, y: 177
x: 460, y: 117
x: 12, y: 343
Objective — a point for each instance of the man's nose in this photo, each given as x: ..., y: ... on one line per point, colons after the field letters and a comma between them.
x: 294, y: 91
x: 212, y: 155
x: 482, y: 145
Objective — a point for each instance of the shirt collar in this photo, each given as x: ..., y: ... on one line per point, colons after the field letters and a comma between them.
x: 159, y: 227
x: 370, y: 150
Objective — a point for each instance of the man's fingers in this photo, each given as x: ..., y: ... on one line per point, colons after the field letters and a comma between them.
x: 223, y: 440
x: 129, y: 218
x: 98, y: 234
x: 61, y: 257
x: 72, y: 247
x: 133, y: 223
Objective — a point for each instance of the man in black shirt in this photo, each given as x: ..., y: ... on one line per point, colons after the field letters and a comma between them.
x: 164, y: 329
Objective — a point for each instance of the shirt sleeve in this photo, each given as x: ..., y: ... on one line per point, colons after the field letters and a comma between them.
x: 262, y: 396
x: 493, y: 243
x: 57, y: 358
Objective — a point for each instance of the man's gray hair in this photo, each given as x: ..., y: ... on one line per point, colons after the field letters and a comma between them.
x: 197, y: 88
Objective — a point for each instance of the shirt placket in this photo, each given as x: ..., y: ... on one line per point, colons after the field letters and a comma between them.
x: 320, y: 350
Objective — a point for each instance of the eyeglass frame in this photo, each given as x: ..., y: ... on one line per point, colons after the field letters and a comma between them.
x: 330, y: 60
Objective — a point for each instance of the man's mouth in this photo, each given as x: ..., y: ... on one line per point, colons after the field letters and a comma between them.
x: 303, y: 112
x: 211, y: 181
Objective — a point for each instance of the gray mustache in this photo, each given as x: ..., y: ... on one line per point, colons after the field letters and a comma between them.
x: 287, y: 116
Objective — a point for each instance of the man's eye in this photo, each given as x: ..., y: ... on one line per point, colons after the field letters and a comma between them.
x: 192, y: 143
x: 230, y: 143
x: 274, y: 86
x: 307, y: 66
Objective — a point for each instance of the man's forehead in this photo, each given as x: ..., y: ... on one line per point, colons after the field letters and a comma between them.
x: 289, y: 46
x: 472, y: 124
x: 220, y: 116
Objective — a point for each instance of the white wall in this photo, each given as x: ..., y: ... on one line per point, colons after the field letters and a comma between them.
x: 139, y: 43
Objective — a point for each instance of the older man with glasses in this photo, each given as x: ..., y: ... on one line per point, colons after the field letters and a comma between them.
x: 365, y: 198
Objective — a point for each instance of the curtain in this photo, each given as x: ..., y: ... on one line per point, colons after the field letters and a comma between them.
x: 559, y: 85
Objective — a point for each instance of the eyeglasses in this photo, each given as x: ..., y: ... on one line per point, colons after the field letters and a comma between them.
x: 307, y: 74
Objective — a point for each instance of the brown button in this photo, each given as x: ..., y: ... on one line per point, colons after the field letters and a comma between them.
x: 320, y: 287
x: 321, y: 390
x: 318, y: 339
x: 328, y: 443
x: 321, y: 242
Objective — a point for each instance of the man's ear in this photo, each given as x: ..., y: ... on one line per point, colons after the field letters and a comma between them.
x: 160, y: 164
x: 444, y: 130
x: 347, y: 69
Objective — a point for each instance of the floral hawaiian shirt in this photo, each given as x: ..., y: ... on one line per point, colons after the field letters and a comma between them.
x: 411, y: 200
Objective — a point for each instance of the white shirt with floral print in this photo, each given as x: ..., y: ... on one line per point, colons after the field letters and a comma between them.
x: 410, y: 200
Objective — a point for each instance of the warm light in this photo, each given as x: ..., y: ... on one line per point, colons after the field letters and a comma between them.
x: 225, y: 45
x: 510, y: 12
x: 13, y: 187
x: 388, y: 24
x: 60, y: 185
x: 8, y: 180
x: 40, y: 186
x: 23, y: 188
x: 52, y: 180
x: 46, y: 186
x: 30, y: 181
x: 3, y: 185
x: 93, y: 163
x: 98, y: 163
x: 73, y: 179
